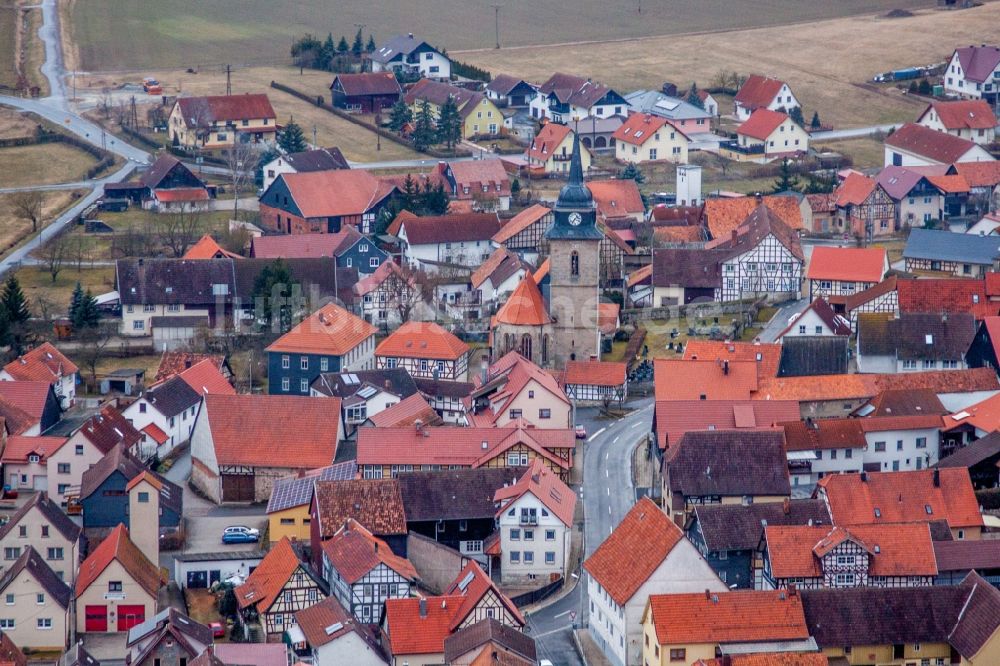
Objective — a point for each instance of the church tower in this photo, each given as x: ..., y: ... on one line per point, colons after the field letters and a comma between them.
x: 574, y: 269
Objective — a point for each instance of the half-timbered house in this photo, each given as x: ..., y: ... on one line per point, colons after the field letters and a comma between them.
x: 362, y: 571
x: 594, y: 382
x: 841, y: 271
x: 962, y: 255
x: 525, y: 232
x: 277, y: 588
x: 883, y: 297
x: 424, y: 349
x: 388, y: 296
x: 814, y: 556
x: 447, y: 398
x: 864, y: 208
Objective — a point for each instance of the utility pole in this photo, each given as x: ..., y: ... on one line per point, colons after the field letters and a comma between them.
x: 315, y: 145
x: 229, y: 80
x: 496, y: 12
x: 74, y: 84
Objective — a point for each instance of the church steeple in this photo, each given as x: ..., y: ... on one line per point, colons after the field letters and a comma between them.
x: 574, y: 216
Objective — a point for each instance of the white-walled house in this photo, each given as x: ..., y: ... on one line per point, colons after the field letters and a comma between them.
x: 913, y: 342
x: 535, y: 521
x: 917, y: 145
x: 645, y: 554
x: 565, y: 98
x: 971, y: 119
x: 818, y: 318
x: 648, y: 138
x: 434, y: 244
x: 974, y: 73
x: 45, y: 363
x: 768, y: 135
x: 334, y: 637
x: 762, y: 92
x: 408, y: 55
x: 165, y: 414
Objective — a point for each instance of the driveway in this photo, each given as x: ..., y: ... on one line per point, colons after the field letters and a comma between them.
x: 779, y: 321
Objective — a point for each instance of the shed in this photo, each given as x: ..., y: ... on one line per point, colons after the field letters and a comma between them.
x: 127, y: 381
x: 202, y: 570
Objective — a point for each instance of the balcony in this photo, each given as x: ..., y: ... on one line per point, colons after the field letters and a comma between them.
x: 734, y: 146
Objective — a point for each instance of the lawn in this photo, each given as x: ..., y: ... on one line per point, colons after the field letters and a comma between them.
x: 866, y: 152
x: 14, y: 230
x: 37, y: 283
x: 42, y: 164
x: 111, y: 34
x: 8, y: 30
x: 14, y: 124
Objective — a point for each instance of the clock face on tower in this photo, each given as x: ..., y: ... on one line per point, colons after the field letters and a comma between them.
x: 575, y: 219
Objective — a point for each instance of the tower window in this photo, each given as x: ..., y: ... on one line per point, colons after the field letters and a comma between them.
x: 574, y: 264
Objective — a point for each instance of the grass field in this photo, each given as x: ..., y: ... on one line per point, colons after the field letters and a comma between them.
x: 43, y: 164
x: 14, y: 230
x: 14, y: 124
x: 8, y: 30
x: 867, y: 153
x: 37, y: 283
x: 114, y: 35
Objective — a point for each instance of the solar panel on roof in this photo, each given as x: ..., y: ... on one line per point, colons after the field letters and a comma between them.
x: 465, y: 581
x: 367, y: 392
x: 351, y: 379
x: 334, y: 628
x: 669, y: 105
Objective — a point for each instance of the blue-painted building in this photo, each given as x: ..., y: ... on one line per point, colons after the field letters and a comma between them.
x: 362, y: 254
x: 104, y: 494
x: 329, y: 340
x: 349, y: 247
x: 728, y: 535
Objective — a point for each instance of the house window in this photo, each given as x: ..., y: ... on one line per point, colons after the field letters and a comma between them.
x: 11, y: 553
x: 138, y: 326
x: 285, y: 384
x: 879, y: 446
x: 79, y: 450
x: 286, y: 362
x: 22, y: 531
x: 40, y: 599
x: 373, y: 262
x: 324, y: 364
x: 144, y: 498
x: 550, y: 535
x: 304, y: 363
x: 544, y: 413
x: 304, y: 386
x: 515, y: 534
x: 550, y: 557
x: 54, y: 554
x: 529, y: 557
x: 62, y: 468
x: 678, y: 654
x: 515, y: 413
x: 515, y: 556
x: 921, y: 442
x: 6, y: 623
x: 114, y: 586
x: 845, y: 580
x: 529, y: 535
x: 10, y: 600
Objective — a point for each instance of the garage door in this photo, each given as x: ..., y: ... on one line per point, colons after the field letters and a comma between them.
x: 129, y: 616
x: 96, y: 618
x: 197, y: 580
x: 237, y: 488
x: 40, y: 482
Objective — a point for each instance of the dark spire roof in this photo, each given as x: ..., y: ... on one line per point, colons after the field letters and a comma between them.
x: 575, y: 194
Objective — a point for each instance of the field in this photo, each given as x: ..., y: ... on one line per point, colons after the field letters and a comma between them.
x: 13, y: 230
x: 43, y: 164
x: 37, y: 283
x: 189, y: 33
x: 8, y: 30
x: 867, y: 153
x: 14, y: 124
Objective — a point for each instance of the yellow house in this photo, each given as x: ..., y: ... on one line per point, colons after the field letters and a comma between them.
x: 116, y: 586
x: 36, y: 603
x: 648, y: 138
x: 680, y: 629
x: 941, y: 624
x: 218, y: 122
x: 480, y: 116
x: 552, y: 148
x: 288, y: 508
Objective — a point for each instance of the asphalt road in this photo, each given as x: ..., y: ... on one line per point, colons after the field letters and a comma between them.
x: 607, y: 496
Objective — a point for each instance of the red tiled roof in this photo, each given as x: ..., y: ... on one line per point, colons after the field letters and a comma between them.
x: 29, y: 396
x: 769, y: 659
x: 951, y: 295
x: 293, y: 246
x: 330, y: 330
x: 633, y: 551
x: 207, y: 248
x: 204, y: 377
x: 426, y: 340
x: 44, y: 363
x: 686, y: 234
x: 181, y: 194
x: 338, y: 193
x: 174, y: 362
x: 146, y: 476
x: 757, y: 91
x: 413, y: 632
x: 471, y: 585
x: 118, y: 546
x: 766, y: 354
x: 546, y: 487
x: 375, y: 503
x: 203, y: 111
x: 903, y: 549
x: 510, y: 374
x: 979, y: 174
x: 902, y: 497
x: 543, y: 271
x: 368, y: 83
x: 984, y: 415
x: 354, y: 552
x: 453, y: 228
x: 19, y: 447
x: 547, y: 141
x: 837, y: 387
x: 761, y: 123
x: 677, y: 379
x: 855, y: 189
x: 616, y: 197
x: 739, y: 616
x: 816, y: 434
x: 963, y: 114
x: 407, y: 412
x: 155, y: 433
x: 254, y: 430
x: 639, y: 128
x: 954, y: 184
x: 475, y: 174
x: 109, y: 428
x: 524, y: 307
x: 397, y: 222
x: 847, y: 263
x: 642, y: 275
x: 265, y: 583
x: 674, y: 418
x: 520, y: 222
x: 723, y: 215
x: 930, y: 144
x: 595, y: 373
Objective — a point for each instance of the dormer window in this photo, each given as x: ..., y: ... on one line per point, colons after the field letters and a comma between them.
x: 33, y: 458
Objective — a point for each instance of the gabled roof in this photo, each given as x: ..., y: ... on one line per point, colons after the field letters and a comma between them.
x: 761, y: 123
x: 738, y: 616
x: 368, y: 83
x: 119, y: 460
x: 524, y: 307
x: 503, y: 84
x: 947, y: 246
x: 539, y: 481
x: 634, y: 550
x: 847, y: 263
x: 457, y: 228
x: 758, y: 91
x: 399, y: 45
x: 508, y: 639
x: 204, y: 111
x: 978, y: 62
x: 837, y: 387
x: 521, y: 221
x: 967, y: 555
x: 858, y: 299
x: 44, y: 363
x: 977, y: 621
x: 266, y: 582
x: 575, y: 90
x: 508, y: 377
x: 331, y: 330
x: 941, y: 295
x: 407, y: 412
x: 475, y: 174
x: 354, y: 552
x: 396, y: 381
x: 978, y: 174
x: 677, y: 379
x: 169, y: 620
x: 728, y: 463
x: 595, y: 373
x: 901, y: 549
x: 109, y: 428
x: 983, y: 415
x: 690, y: 268
x: 162, y: 167
x: 287, y: 246
x: 904, y: 402
x: 370, y: 283
x: 207, y: 248
x: 52, y: 513
x: 76, y: 655
x: 674, y: 418
x: 32, y: 562
x: 639, y: 128
x: 254, y: 430
x: 821, y: 308
x: 419, y: 625
x: 901, y: 497
x: 767, y: 355
x: 118, y: 547
x: 855, y: 189
x: 19, y: 447
x: 375, y: 503
x: 320, y: 159
x: 175, y: 362
x: 426, y: 340
x: 319, y: 624
x: 722, y: 215
x: 293, y: 491
x: 616, y: 197
x: 915, y: 335
x: 470, y: 586
x: 547, y: 141
x: 204, y: 377
x: 437, y: 93
x: 768, y: 659
x: 929, y: 144
x: 457, y: 494
x: 817, y: 434
x: 979, y: 451
x: 171, y: 397
x: 500, y: 265
x: 335, y: 193
x: 739, y: 527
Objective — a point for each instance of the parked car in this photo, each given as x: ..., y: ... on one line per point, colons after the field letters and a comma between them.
x: 581, y: 432
x: 218, y: 630
x: 240, y: 534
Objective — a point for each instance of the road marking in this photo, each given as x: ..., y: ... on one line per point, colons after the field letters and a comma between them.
x: 609, y: 509
x: 637, y: 424
x: 609, y: 492
x: 596, y: 434
x: 561, y: 614
x: 610, y: 529
x: 607, y: 473
x: 553, y: 631
x: 615, y: 441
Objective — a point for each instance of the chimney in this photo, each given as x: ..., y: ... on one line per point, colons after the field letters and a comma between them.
x: 419, y: 425
x: 760, y: 198
x: 864, y: 477
x: 937, y: 478
x: 791, y: 590
x: 725, y: 367
x: 410, y: 35
x: 376, y: 547
x: 708, y: 593
x: 187, y: 363
x: 786, y: 506
x: 423, y: 608
x: 734, y: 235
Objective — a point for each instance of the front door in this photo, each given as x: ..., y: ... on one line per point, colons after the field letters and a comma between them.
x: 129, y: 616
x: 95, y: 618
x: 197, y: 580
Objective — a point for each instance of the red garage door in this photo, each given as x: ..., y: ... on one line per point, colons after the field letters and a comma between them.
x: 96, y: 618
x: 129, y: 616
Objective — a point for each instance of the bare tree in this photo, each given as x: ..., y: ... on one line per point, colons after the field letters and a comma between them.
x: 81, y: 251
x: 53, y: 255
x: 241, y: 160
x: 93, y: 341
x: 121, y: 113
x: 177, y: 231
x: 28, y: 206
x: 105, y: 103
x: 404, y: 292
